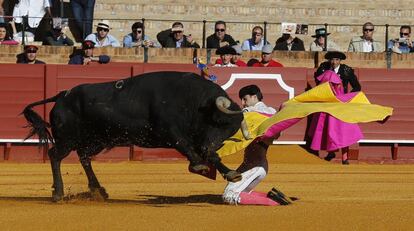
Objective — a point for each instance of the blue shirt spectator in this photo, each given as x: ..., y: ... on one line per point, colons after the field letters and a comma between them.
x: 403, y: 44
x: 134, y: 39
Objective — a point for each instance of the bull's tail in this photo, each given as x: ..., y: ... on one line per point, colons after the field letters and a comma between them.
x: 36, y: 123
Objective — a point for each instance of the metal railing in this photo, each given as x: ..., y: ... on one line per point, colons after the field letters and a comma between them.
x: 268, y: 27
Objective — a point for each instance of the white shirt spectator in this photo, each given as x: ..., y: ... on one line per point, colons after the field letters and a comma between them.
x: 35, y: 9
x: 249, y: 45
x: 367, y: 46
x: 109, y: 40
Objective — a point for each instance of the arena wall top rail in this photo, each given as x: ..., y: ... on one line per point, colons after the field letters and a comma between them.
x: 60, y: 55
x: 24, y: 84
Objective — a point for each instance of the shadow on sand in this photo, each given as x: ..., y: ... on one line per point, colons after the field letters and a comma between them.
x: 153, y: 200
x: 29, y: 199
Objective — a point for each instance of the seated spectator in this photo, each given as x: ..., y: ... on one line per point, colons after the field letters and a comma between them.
x: 345, y: 72
x: 226, y: 54
x: 29, y: 56
x: 57, y: 36
x: 289, y: 43
x: 256, y: 42
x: 102, y: 38
x: 403, y: 44
x: 319, y: 43
x: 220, y: 38
x: 175, y: 38
x: 28, y: 37
x: 236, y: 59
x: 5, y: 38
x: 267, y: 61
x: 366, y: 42
x: 86, y: 56
x: 134, y: 39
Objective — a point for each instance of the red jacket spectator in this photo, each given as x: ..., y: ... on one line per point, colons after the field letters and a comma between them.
x: 271, y: 63
x: 267, y: 55
x: 239, y: 63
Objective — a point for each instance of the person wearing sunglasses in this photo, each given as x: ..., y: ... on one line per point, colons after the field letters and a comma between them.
x: 403, y: 44
x: 29, y: 56
x: 102, y: 38
x: 134, y: 39
x: 256, y: 42
x: 175, y: 37
x: 57, y: 36
x: 366, y: 42
x: 220, y: 38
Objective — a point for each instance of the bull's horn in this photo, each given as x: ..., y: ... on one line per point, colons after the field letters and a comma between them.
x: 223, y: 103
x: 245, y: 130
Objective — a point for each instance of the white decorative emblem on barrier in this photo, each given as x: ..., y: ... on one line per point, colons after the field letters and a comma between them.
x: 277, y: 77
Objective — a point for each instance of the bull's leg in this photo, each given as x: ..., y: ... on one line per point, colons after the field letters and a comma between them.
x: 196, y: 162
x: 186, y: 148
x: 85, y: 155
x: 56, y: 155
x: 228, y: 174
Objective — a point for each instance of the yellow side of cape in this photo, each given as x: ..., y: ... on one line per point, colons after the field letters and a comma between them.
x: 318, y: 99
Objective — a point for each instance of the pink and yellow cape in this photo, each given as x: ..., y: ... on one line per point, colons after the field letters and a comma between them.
x: 350, y: 108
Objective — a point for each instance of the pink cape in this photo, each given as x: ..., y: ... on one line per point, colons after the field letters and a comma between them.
x: 326, y: 132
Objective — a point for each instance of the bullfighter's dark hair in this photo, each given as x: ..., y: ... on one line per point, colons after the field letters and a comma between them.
x: 251, y: 90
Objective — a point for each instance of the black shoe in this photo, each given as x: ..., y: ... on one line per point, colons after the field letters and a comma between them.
x: 345, y: 162
x: 275, y: 197
x: 330, y: 156
x: 282, y: 195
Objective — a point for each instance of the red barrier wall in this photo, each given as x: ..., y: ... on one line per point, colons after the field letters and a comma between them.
x: 23, y: 84
x: 19, y: 86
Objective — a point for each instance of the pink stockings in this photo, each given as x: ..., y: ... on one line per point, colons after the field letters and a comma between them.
x: 256, y: 198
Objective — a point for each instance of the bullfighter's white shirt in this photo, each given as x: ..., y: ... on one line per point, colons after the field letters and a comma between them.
x: 261, y: 108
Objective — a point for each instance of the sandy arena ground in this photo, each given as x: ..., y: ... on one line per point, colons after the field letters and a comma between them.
x: 164, y: 196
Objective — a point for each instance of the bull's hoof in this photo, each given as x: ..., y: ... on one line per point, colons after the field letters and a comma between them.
x: 99, y: 194
x: 199, y: 168
x: 233, y: 176
x: 57, y: 196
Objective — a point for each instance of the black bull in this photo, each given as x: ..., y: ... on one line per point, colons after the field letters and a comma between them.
x: 162, y: 109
